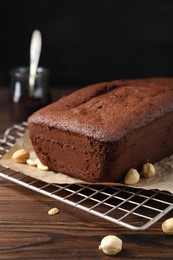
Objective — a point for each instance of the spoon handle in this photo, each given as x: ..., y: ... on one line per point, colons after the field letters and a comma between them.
x: 35, y: 50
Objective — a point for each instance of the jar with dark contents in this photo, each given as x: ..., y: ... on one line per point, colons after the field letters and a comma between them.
x: 21, y: 104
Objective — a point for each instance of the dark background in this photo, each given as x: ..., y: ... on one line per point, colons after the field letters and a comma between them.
x: 86, y: 41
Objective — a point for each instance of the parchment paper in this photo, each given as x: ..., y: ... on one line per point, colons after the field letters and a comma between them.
x: 163, y: 180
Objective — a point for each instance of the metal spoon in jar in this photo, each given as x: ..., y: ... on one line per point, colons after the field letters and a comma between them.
x: 35, y: 50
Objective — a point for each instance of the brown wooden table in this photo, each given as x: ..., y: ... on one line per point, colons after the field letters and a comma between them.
x: 28, y: 232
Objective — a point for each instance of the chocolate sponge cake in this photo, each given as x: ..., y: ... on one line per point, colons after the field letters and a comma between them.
x: 98, y: 132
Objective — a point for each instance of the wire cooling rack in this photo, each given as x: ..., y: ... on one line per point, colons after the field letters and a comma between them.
x: 135, y: 209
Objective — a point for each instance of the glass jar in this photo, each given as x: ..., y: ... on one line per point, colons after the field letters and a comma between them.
x: 21, y: 104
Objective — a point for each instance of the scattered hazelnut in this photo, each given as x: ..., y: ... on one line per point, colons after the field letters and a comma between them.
x: 111, y: 245
x: 53, y: 211
x: 42, y: 167
x: 148, y: 170
x: 132, y: 177
x: 20, y: 156
x: 167, y: 226
x: 32, y: 162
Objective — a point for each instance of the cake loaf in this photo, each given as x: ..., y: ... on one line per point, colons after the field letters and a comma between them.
x: 99, y: 132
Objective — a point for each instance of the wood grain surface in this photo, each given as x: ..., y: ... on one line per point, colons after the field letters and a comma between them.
x: 28, y: 232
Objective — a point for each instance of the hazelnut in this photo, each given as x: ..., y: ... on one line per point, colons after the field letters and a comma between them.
x: 53, y: 211
x: 42, y: 167
x: 167, y: 226
x: 111, y: 245
x: 20, y: 156
x: 148, y: 170
x: 132, y: 177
